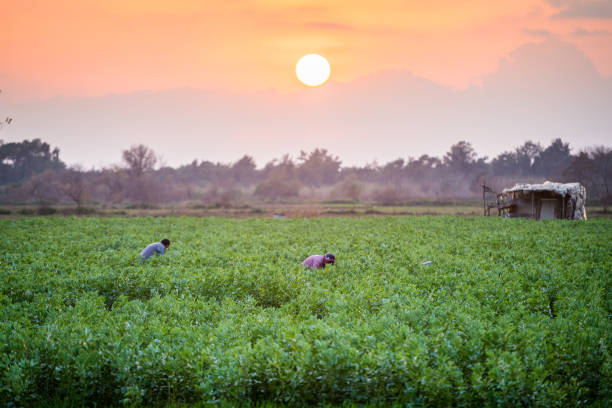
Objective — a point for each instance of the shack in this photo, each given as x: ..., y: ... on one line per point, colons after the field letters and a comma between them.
x: 542, y: 201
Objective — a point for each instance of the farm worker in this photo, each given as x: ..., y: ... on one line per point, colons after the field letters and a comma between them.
x: 157, y: 248
x: 319, y: 261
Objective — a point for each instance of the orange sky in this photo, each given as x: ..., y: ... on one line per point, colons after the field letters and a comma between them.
x: 92, y: 48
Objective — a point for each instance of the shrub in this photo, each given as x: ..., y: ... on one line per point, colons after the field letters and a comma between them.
x: 274, y: 189
x: 349, y: 189
x: 46, y: 211
x: 387, y: 196
x: 85, y: 210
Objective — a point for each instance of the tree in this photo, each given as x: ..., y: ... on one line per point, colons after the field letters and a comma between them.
x: 460, y: 158
x: 283, y: 169
x: 519, y: 162
x: 506, y: 164
x: 368, y: 173
x: 243, y: 171
x: 551, y: 162
x: 423, y: 173
x: 392, y: 172
x: 6, y: 121
x: 111, y: 184
x: 139, y: 160
x: 20, y: 160
x: 281, y: 180
x: 419, y: 169
x: 72, y: 184
x: 318, y: 167
x: 464, y: 170
x: 593, y: 168
x: 602, y: 172
x: 526, y: 156
x: 41, y: 187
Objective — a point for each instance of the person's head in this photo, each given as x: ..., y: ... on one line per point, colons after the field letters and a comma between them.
x: 330, y: 258
x: 165, y: 242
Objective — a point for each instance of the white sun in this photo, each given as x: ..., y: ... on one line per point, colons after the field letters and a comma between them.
x: 312, y: 70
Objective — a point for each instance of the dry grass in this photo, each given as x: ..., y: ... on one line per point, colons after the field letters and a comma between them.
x: 267, y: 210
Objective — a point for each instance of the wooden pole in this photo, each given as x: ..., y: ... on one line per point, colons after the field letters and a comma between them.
x: 563, y: 209
x: 532, y: 206
x: 484, y: 206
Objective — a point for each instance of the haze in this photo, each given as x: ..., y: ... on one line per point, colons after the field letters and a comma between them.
x: 214, y: 81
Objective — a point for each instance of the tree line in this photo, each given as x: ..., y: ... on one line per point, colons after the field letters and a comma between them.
x: 31, y: 171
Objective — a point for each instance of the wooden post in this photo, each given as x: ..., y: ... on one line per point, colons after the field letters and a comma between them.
x: 563, y: 209
x: 532, y: 206
x: 484, y: 206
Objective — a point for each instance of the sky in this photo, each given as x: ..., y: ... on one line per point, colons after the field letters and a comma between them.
x: 214, y: 80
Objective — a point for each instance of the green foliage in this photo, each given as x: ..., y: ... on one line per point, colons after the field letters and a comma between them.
x: 85, y: 210
x: 46, y: 211
x: 20, y: 160
x: 230, y: 316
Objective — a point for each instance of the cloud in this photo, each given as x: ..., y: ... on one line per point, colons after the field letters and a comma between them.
x: 580, y: 32
x: 541, y: 91
x: 598, y: 9
x: 538, y: 33
x: 322, y: 25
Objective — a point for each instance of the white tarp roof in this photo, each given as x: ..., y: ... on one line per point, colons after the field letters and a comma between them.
x: 575, y: 189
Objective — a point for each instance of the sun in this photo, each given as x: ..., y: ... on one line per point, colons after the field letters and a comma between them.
x: 312, y: 70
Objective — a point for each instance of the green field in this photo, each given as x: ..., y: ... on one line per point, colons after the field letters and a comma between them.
x: 511, y: 312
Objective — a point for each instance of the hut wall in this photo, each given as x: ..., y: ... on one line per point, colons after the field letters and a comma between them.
x: 525, y: 207
x: 521, y: 205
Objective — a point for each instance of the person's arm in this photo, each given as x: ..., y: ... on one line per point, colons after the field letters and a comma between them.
x: 322, y: 263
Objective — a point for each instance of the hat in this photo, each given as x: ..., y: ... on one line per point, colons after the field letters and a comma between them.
x: 330, y: 257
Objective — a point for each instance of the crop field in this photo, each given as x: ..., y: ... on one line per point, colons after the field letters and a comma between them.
x: 510, y: 312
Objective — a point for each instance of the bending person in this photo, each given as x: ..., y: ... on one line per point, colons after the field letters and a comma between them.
x: 319, y: 261
x: 157, y: 248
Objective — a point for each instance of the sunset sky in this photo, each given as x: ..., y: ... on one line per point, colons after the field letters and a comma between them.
x: 218, y: 68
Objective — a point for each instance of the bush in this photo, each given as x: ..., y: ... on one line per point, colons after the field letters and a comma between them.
x: 220, y: 198
x: 229, y: 198
x: 349, y: 189
x: 275, y: 189
x: 141, y: 206
x: 387, y: 196
x: 85, y: 210
x: 46, y: 211
x: 199, y: 206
